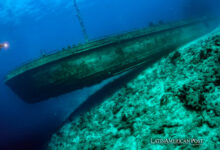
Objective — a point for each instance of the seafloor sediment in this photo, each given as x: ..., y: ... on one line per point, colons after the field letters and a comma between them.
x: 175, y: 104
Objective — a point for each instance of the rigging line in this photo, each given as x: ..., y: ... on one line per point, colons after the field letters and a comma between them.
x: 81, y: 21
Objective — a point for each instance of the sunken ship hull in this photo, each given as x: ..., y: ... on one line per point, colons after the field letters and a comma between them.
x: 84, y: 65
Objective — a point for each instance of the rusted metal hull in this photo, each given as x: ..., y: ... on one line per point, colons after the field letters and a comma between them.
x: 88, y: 64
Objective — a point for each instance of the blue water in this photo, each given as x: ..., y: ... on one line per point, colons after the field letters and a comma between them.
x: 35, y: 27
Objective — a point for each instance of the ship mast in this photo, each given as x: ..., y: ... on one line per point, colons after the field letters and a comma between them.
x: 81, y: 21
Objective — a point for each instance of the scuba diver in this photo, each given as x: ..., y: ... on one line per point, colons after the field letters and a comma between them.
x: 3, y: 45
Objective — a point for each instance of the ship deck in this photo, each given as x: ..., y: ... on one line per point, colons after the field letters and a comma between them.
x: 46, y: 59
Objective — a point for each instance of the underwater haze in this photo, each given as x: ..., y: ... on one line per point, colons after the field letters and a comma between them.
x: 33, y: 28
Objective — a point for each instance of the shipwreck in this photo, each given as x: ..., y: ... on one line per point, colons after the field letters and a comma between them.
x: 94, y: 61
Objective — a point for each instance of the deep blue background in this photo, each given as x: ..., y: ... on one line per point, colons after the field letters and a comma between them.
x: 35, y: 26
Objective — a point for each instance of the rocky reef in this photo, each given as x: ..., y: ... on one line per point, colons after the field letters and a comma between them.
x: 174, y: 104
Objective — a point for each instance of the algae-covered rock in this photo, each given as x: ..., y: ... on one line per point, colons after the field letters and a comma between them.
x: 175, y: 104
